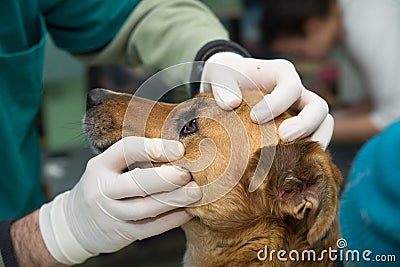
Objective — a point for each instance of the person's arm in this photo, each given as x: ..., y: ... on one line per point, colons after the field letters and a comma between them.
x: 155, y: 33
x: 107, y: 210
x: 373, y: 41
x: 28, y: 244
x: 353, y: 129
x: 21, y: 243
x: 160, y: 34
x: 353, y: 123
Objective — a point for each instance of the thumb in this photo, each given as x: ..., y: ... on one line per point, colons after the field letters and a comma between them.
x: 133, y: 149
x: 324, y: 133
x: 226, y: 90
x: 219, y: 77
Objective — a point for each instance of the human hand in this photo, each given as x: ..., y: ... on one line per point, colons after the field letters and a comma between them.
x: 107, y: 209
x: 226, y: 74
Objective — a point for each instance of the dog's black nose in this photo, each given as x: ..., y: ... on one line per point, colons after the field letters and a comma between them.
x: 95, y: 97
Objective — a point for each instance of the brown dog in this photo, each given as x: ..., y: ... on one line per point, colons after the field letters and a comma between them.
x: 259, y: 195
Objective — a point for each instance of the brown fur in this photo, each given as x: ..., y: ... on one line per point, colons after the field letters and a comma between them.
x: 295, y: 206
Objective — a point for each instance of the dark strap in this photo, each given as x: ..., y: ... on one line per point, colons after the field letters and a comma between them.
x: 6, y: 247
x: 209, y: 49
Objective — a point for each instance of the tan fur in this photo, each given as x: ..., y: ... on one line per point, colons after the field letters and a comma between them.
x: 294, y: 208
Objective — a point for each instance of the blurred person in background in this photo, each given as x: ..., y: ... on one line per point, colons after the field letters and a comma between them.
x: 368, y: 29
x: 370, y: 206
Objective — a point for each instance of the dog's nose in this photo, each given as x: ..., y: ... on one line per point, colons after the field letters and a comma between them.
x: 95, y: 97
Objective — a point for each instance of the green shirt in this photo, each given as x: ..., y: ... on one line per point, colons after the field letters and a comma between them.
x: 76, y: 26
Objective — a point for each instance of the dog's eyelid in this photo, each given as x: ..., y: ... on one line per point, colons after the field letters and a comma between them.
x: 187, y: 116
x: 180, y: 121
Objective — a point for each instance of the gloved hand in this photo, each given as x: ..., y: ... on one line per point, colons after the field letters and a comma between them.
x: 227, y: 73
x: 108, y: 209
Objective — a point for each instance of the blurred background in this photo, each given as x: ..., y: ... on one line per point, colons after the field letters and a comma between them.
x: 65, y: 151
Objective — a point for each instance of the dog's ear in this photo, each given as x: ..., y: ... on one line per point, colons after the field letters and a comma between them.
x: 301, y: 183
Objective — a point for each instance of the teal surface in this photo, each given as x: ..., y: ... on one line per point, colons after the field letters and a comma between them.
x: 77, y: 26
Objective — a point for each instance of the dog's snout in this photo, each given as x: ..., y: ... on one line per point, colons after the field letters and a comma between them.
x: 95, y: 97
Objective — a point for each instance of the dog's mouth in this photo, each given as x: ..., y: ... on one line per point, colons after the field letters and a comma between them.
x: 98, y: 141
x: 99, y: 147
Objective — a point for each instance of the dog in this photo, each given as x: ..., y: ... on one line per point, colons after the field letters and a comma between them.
x: 260, y: 195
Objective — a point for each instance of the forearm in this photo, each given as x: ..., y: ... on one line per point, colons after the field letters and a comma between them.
x: 353, y: 129
x: 29, y: 247
x: 162, y: 33
x: 173, y: 32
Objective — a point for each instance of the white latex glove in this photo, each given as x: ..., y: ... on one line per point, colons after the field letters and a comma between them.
x: 108, y: 209
x: 227, y: 73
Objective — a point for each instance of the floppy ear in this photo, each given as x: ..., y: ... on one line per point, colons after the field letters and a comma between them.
x: 302, y: 183
x: 316, y: 202
x: 329, y: 202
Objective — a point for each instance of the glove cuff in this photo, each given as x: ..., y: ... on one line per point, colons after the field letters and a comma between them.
x: 59, y: 240
x: 207, y: 51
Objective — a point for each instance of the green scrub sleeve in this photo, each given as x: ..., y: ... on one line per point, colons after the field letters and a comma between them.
x: 82, y: 26
x: 160, y: 33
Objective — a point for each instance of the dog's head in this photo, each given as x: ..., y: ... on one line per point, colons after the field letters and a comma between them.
x: 245, y: 172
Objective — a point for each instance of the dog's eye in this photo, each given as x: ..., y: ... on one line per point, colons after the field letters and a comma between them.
x: 189, y: 128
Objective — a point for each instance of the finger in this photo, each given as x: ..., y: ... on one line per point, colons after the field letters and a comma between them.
x: 324, y: 132
x: 134, y: 149
x: 161, y: 224
x: 266, y: 74
x: 143, y: 182
x: 280, y: 79
x: 279, y: 100
x: 226, y: 91
x: 313, y: 111
x: 151, y: 206
x: 221, y: 79
x: 205, y: 87
x: 222, y: 82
